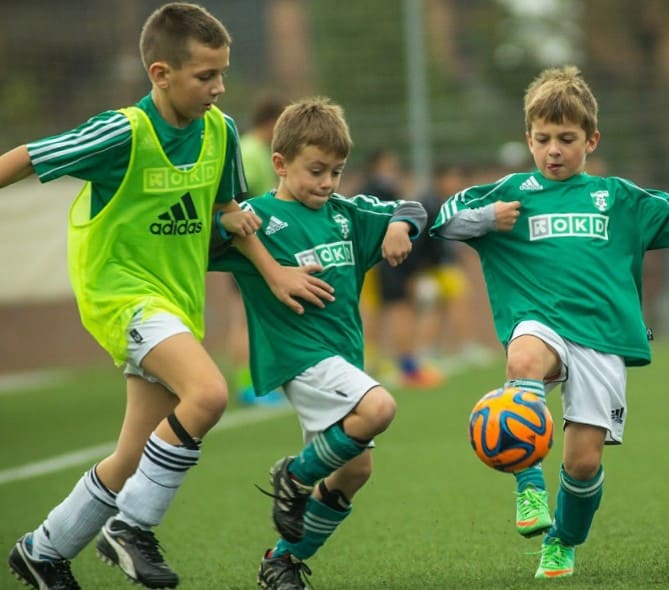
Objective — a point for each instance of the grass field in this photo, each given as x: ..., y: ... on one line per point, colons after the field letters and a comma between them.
x: 431, y: 517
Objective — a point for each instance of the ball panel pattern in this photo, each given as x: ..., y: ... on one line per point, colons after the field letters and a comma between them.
x: 510, y: 429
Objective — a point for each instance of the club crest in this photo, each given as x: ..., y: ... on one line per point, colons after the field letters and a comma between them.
x: 343, y: 225
x: 601, y: 200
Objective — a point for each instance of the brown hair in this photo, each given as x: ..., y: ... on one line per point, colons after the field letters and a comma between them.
x: 166, y: 33
x: 558, y: 95
x: 312, y: 121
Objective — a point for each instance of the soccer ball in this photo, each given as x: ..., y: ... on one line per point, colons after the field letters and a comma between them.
x: 510, y: 429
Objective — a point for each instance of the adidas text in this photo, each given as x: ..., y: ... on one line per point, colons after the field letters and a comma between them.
x: 176, y: 228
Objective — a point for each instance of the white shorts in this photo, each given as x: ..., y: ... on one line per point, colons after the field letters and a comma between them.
x: 143, y: 335
x: 325, y: 393
x: 593, y: 383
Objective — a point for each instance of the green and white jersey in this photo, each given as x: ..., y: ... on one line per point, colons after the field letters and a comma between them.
x: 574, y: 258
x: 345, y: 237
x: 98, y: 151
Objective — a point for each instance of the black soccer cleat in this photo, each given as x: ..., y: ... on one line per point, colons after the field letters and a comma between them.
x: 290, y: 501
x: 52, y: 574
x: 283, y: 573
x: 137, y: 552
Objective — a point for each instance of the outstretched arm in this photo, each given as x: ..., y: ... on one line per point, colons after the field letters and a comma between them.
x: 15, y: 165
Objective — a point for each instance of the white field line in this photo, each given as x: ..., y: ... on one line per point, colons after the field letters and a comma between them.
x: 12, y: 383
x: 233, y: 420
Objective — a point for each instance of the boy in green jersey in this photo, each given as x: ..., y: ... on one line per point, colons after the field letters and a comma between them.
x: 562, y: 254
x: 318, y: 357
x: 138, y: 251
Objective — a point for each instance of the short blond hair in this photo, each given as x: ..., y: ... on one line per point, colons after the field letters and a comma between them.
x: 313, y: 121
x: 561, y: 94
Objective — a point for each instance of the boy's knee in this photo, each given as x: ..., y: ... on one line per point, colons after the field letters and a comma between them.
x: 583, y: 468
x: 210, y: 397
x: 383, y: 410
x: 524, y: 364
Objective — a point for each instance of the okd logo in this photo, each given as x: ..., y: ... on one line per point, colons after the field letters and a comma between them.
x: 180, y: 220
x: 335, y: 254
x: 569, y: 225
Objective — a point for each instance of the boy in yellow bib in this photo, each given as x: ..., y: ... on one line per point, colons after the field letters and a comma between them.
x: 139, y: 238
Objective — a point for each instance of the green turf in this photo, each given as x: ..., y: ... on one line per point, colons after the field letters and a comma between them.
x: 432, y: 516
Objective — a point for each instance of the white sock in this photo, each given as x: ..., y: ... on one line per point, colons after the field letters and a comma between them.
x: 148, y: 493
x: 72, y: 524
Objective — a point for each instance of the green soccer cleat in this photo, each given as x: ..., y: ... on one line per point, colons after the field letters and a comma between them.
x: 557, y: 560
x: 532, y: 514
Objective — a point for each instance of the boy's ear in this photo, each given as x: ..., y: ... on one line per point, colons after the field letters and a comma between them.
x: 158, y: 73
x: 592, y: 142
x: 279, y: 164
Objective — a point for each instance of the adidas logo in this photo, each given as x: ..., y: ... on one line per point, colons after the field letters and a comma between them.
x: 274, y: 226
x: 180, y: 220
x: 531, y: 184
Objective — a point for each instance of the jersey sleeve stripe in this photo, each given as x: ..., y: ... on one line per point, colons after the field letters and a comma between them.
x: 87, y: 138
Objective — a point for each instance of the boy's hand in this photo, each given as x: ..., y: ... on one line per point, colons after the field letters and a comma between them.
x: 241, y: 223
x: 396, y: 244
x: 291, y: 282
x: 506, y: 214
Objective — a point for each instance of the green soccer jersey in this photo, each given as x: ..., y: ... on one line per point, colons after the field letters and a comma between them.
x: 345, y: 237
x: 574, y: 258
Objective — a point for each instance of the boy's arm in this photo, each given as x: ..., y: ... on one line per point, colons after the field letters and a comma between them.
x: 404, y: 226
x: 286, y: 282
x: 465, y: 224
x: 15, y: 165
x: 234, y: 225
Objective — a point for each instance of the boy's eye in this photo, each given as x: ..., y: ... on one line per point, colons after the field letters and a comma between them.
x: 211, y: 75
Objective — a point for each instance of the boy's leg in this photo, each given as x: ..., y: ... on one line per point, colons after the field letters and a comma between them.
x: 531, y: 357
x: 41, y: 559
x: 532, y: 514
x: 181, y: 363
x: 326, y: 509
x: 42, y: 556
x: 578, y: 498
x: 294, y: 478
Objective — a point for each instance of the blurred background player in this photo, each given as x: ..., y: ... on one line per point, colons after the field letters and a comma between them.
x: 446, y: 335
x: 256, y: 143
x: 387, y: 303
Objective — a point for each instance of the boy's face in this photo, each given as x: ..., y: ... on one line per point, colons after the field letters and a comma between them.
x: 186, y: 93
x: 560, y: 150
x: 310, y: 178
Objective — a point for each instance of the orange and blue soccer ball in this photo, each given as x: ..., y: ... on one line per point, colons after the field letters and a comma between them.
x: 510, y: 429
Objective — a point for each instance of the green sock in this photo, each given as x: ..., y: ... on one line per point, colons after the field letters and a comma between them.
x: 320, y: 521
x: 325, y: 453
x: 533, y: 385
x: 577, y: 502
x: 532, y: 476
